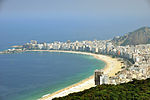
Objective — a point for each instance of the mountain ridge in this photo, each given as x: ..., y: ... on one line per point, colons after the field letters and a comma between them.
x: 139, y: 36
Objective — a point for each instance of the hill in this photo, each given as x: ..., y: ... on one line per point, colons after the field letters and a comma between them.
x: 135, y: 90
x: 139, y: 36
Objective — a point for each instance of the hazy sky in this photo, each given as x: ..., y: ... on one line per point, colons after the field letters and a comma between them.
x: 74, y: 8
x: 71, y: 19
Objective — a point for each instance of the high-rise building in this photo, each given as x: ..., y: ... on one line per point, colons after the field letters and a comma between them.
x: 98, y: 74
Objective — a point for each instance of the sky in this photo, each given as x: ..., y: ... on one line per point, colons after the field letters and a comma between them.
x: 72, y: 19
x: 74, y: 8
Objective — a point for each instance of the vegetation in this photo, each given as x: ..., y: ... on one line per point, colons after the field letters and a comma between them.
x: 140, y: 36
x: 135, y: 90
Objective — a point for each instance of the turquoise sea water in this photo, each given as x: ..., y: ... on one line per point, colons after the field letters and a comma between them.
x: 30, y: 75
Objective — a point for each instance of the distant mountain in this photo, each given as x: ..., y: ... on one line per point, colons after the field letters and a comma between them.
x: 139, y: 36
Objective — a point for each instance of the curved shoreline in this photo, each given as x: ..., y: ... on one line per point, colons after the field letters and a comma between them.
x: 112, y: 66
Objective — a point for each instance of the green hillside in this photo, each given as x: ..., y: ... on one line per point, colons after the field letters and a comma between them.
x: 139, y: 36
x: 135, y: 90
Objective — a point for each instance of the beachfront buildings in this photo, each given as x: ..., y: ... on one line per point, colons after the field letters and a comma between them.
x: 100, y: 77
x: 137, y: 56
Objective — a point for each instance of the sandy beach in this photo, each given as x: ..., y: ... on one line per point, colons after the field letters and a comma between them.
x: 112, y: 67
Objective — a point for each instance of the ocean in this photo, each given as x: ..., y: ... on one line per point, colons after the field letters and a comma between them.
x: 30, y: 75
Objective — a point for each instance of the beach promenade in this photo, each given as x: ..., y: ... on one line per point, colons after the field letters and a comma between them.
x: 112, y: 67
